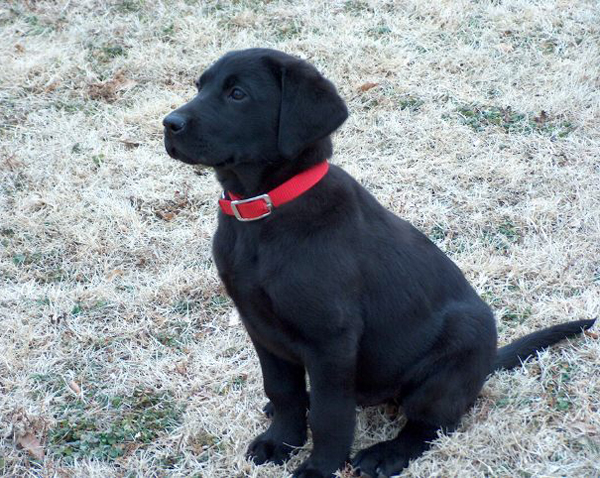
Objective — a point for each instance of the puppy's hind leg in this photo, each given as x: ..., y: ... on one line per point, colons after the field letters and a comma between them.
x: 426, y: 415
x: 429, y: 406
x: 444, y: 387
x: 390, y: 457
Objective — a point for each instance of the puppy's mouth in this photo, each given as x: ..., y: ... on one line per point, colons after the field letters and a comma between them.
x: 176, y: 153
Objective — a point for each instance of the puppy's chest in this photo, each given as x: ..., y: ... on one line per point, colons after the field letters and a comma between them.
x: 239, y: 263
x: 246, y: 267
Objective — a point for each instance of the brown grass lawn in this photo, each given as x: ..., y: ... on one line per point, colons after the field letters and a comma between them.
x: 120, y: 354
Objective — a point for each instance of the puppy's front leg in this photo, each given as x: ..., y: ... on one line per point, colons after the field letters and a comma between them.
x: 285, y: 386
x: 332, y: 415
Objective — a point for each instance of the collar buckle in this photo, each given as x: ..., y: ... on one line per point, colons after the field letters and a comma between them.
x: 263, y: 197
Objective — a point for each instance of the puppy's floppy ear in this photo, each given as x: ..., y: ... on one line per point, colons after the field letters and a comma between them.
x: 311, y: 108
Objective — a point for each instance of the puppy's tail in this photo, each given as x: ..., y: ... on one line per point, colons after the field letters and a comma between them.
x: 513, y: 354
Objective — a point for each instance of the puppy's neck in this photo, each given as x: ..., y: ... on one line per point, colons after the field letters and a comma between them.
x: 259, y: 177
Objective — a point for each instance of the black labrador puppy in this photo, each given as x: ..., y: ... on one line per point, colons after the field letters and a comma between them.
x: 327, y: 281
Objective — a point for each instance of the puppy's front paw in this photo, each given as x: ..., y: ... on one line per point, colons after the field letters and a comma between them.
x: 380, y: 460
x: 308, y: 469
x: 266, y: 448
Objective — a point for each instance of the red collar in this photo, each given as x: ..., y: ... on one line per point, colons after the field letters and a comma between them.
x: 261, y: 206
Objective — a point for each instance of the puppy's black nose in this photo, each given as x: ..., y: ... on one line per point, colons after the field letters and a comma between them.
x: 175, y: 122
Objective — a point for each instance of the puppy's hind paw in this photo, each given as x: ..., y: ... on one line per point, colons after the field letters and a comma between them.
x: 307, y: 471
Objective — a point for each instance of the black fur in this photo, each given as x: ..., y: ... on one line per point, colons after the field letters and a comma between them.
x: 332, y: 284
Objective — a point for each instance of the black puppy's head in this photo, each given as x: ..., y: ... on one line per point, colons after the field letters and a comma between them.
x: 254, y: 106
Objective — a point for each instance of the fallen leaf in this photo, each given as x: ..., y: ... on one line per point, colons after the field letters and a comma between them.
x: 107, y: 90
x: 73, y: 386
x: 167, y: 216
x: 542, y: 118
x: 181, y: 368
x: 114, y: 273
x: 367, y: 86
x: 50, y: 87
x: 20, y: 48
x: 130, y: 144
x: 592, y: 335
x: 30, y: 443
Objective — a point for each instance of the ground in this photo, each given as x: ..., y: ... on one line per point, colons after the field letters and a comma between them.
x: 479, y: 122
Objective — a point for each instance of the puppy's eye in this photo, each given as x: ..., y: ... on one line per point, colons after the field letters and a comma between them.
x: 237, y: 94
x: 198, y: 85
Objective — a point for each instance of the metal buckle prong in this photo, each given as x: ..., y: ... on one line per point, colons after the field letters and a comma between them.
x: 264, y: 197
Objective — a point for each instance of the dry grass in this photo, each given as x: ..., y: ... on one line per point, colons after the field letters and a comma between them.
x: 120, y: 354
